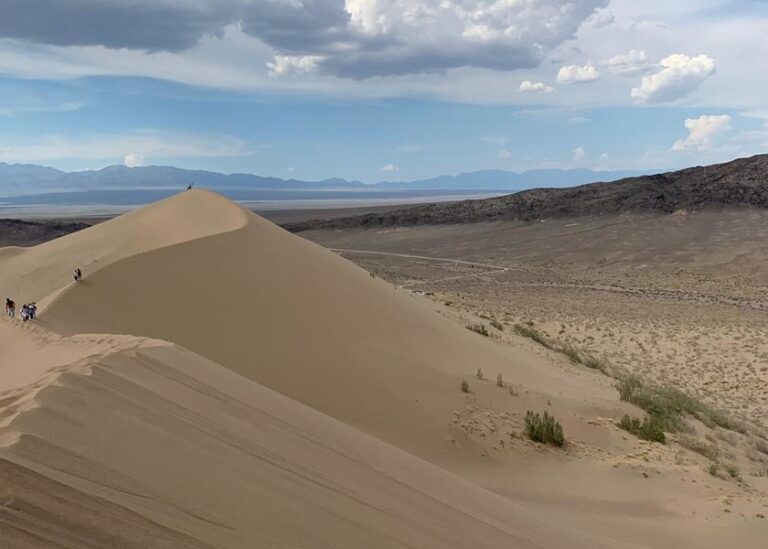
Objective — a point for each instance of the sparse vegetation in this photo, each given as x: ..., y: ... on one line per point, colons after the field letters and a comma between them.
x: 724, y: 470
x: 498, y: 325
x: 479, y: 374
x: 669, y: 405
x: 574, y: 355
x: 512, y: 391
x: 499, y: 380
x: 647, y: 429
x: 464, y: 386
x: 478, y: 328
x: 531, y: 333
x: 544, y: 429
x: 571, y: 352
x: 707, y: 449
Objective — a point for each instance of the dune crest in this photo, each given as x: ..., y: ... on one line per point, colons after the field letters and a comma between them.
x: 42, y: 272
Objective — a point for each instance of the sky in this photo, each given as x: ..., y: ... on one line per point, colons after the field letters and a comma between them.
x: 382, y: 89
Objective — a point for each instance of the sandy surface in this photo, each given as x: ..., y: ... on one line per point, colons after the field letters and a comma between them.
x: 218, y: 382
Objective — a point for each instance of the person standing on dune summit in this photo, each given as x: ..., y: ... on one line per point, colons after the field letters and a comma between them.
x: 10, y: 308
x: 77, y: 274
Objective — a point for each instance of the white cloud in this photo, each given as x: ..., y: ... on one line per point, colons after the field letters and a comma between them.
x: 504, y: 154
x: 576, y: 74
x: 603, y: 163
x: 703, y: 132
x: 283, y: 65
x: 579, y: 154
x: 112, y: 147
x: 133, y: 160
x: 630, y: 64
x: 535, y: 87
x: 678, y: 76
x: 579, y: 120
x: 389, y: 168
x: 601, y: 18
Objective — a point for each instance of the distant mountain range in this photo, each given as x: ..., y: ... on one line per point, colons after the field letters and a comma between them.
x: 27, y: 179
x: 740, y: 183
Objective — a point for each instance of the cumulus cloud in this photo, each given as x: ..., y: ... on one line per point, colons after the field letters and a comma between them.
x: 579, y: 154
x: 601, y: 18
x: 678, y: 76
x: 535, y: 87
x: 504, y: 154
x: 293, y: 64
x: 630, y: 64
x: 134, y: 160
x: 352, y: 38
x: 703, y: 132
x: 576, y: 74
x: 389, y: 168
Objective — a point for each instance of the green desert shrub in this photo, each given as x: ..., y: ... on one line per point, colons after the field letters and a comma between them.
x: 707, y: 449
x: 478, y: 328
x: 531, y: 333
x: 647, y: 429
x: 668, y: 405
x: 544, y: 429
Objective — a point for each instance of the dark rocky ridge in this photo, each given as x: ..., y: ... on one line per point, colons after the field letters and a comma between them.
x: 740, y: 183
x: 15, y: 232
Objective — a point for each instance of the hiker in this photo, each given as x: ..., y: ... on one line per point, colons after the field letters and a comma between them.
x: 24, y: 312
x: 32, y: 311
x: 189, y: 187
x: 77, y: 274
x: 10, y: 307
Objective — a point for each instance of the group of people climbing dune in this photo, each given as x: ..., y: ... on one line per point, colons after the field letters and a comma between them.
x: 29, y: 310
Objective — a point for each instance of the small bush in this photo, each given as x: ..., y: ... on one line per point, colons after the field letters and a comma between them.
x: 498, y: 325
x: 464, y: 386
x: 479, y: 374
x: 706, y: 449
x: 499, y: 380
x: 572, y: 353
x: 527, y: 331
x: 648, y: 429
x: 732, y: 471
x: 595, y: 364
x: 729, y: 469
x: 544, y: 429
x: 478, y: 328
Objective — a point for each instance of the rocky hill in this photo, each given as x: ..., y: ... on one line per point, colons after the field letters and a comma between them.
x: 740, y: 183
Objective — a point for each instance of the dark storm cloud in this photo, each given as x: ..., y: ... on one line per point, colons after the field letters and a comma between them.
x: 352, y: 38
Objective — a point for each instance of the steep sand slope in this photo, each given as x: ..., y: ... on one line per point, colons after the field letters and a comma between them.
x: 303, y: 321
x: 157, y: 447
x: 34, y: 274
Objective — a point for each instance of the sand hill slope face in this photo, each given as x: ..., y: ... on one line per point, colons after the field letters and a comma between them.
x: 34, y: 274
x: 299, y: 319
x: 153, y: 446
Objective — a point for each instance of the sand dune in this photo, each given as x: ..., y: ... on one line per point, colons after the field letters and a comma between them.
x: 154, y: 446
x: 299, y: 319
x: 263, y: 392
